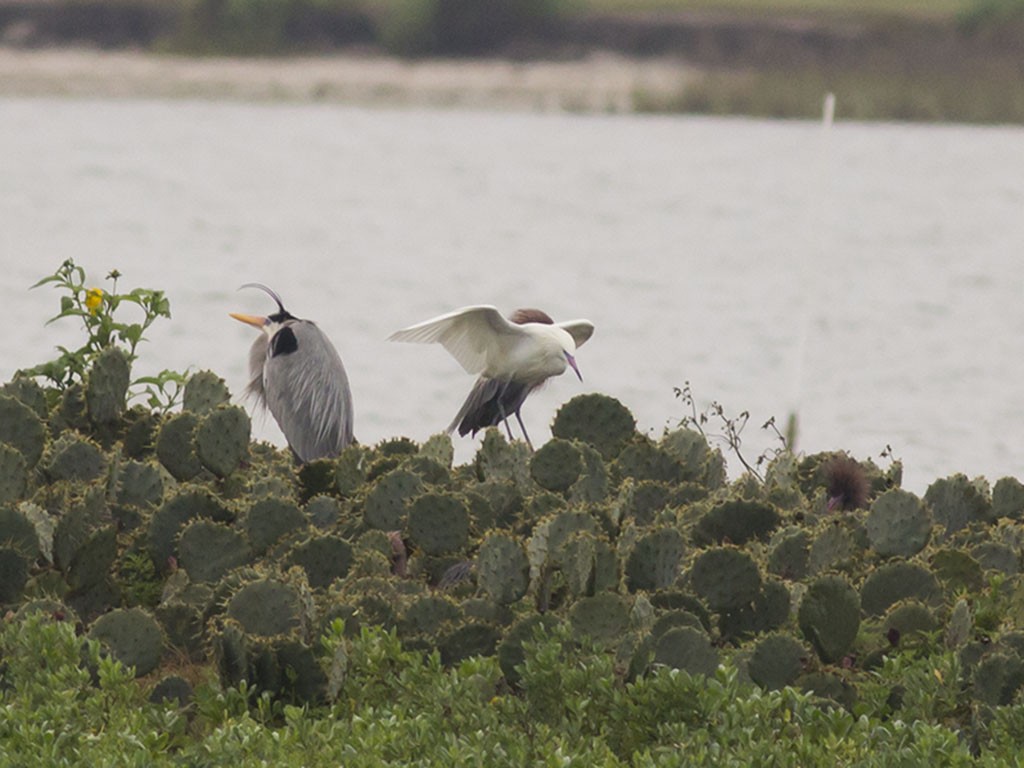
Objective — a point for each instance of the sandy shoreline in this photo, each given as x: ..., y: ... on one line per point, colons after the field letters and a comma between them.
x: 602, y: 82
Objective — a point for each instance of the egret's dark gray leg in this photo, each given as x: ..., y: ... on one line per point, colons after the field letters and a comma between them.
x: 501, y: 409
x: 522, y: 426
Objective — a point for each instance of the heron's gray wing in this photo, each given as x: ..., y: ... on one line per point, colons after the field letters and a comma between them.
x: 473, y: 335
x: 308, y: 393
x: 580, y: 330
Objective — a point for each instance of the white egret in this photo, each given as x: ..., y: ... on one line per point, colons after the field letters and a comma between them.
x: 511, y: 356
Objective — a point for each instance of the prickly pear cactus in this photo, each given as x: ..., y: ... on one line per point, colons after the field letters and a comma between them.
x: 132, y: 636
x: 21, y: 428
x: 556, y: 465
x: 138, y: 484
x: 14, y: 567
x: 222, y: 439
x: 499, y: 460
x: 687, y: 649
x: 789, y: 553
x: 171, y: 517
x: 74, y: 459
x: 467, y: 640
x: 654, y: 561
x: 511, y: 651
x: 898, y: 524
x: 603, y: 619
x: 208, y: 550
x: 204, y: 392
x: 777, y: 661
x: 13, y: 474
x: 438, y: 523
x: 895, y: 581
x: 271, y: 519
x: 829, y: 617
x: 325, y: 559
x: 725, y: 578
x: 593, y: 483
x: 175, y: 446
x: 909, y: 621
x: 428, y: 615
x: 267, y: 607
x: 700, y: 463
x: 957, y: 570
x: 736, y: 521
x: 1008, y: 498
x: 643, y: 460
x: 956, y: 502
x: 106, y: 388
x: 599, y: 420
x: 388, y: 500
x: 503, y: 569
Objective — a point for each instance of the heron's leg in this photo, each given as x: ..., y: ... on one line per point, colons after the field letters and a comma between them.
x: 504, y: 419
x: 522, y: 426
x: 501, y: 408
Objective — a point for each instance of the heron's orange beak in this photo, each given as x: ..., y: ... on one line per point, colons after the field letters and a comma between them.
x: 254, y: 320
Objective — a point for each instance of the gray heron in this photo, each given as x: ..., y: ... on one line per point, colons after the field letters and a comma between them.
x: 512, y: 356
x: 297, y: 374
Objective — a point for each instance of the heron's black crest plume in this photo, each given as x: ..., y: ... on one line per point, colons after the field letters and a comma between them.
x: 270, y: 292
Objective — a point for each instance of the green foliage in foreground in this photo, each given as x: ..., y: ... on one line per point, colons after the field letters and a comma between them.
x: 64, y: 704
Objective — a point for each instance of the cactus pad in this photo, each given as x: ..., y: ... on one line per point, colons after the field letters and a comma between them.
x: 270, y: 519
x: 956, y: 502
x: 267, y: 607
x: 208, y: 550
x: 438, y: 523
x: 387, y: 502
x: 736, y: 521
x: 175, y: 446
x: 777, y: 661
x: 602, y: 618
x: 323, y: 558
x: 13, y: 474
x: 22, y: 429
x: 829, y: 617
x: 222, y: 439
x: 106, y: 386
x: 204, y: 392
x: 898, y: 524
x: 599, y: 420
x: 132, y: 636
x: 895, y: 581
x: 503, y: 568
x: 654, y: 560
x: 687, y: 649
x: 725, y: 578
x: 556, y: 465
x: 75, y: 459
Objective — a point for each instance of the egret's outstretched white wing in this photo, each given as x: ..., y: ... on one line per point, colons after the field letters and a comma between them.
x: 473, y: 335
x: 580, y: 330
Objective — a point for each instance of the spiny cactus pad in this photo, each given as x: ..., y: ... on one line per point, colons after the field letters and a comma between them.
x: 599, y: 420
x: 777, y: 661
x: 898, y: 524
x: 175, y: 446
x: 688, y: 649
x: 204, y: 392
x: 106, y: 387
x: 736, y: 521
x: 503, y: 568
x: 956, y: 502
x: 895, y: 581
x: 22, y: 429
x: 438, y: 523
x: 654, y: 560
x: 829, y: 617
x: 603, y: 619
x: 222, y: 439
x: 556, y: 465
x: 132, y: 636
x: 208, y: 550
x: 267, y: 607
x: 387, y: 502
x: 725, y: 578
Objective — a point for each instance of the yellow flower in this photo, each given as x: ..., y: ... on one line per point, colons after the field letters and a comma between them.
x: 93, y: 299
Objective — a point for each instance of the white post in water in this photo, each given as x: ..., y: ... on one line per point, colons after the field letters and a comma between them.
x: 828, y: 112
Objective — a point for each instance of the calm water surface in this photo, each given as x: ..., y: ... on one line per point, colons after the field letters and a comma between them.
x: 869, y: 278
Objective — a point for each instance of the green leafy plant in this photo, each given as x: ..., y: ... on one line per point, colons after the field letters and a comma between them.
x: 104, y: 328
